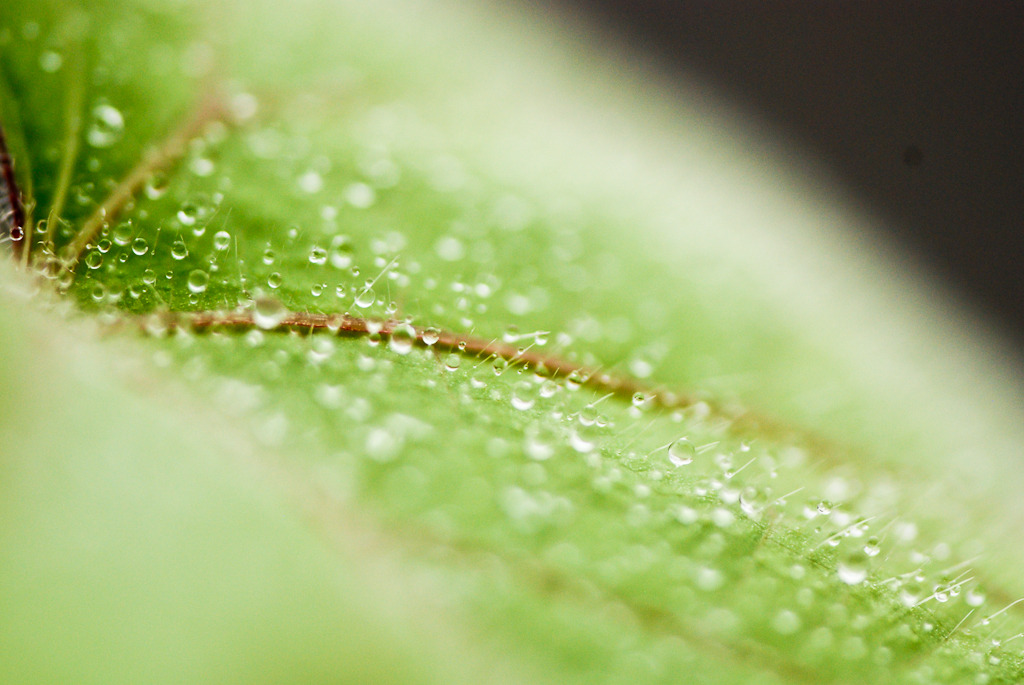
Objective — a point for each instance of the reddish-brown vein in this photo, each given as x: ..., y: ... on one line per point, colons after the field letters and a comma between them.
x: 13, y: 220
x: 446, y: 341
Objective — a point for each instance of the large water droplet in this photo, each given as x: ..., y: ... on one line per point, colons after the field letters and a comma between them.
x: 431, y: 336
x: 681, y: 452
x: 268, y: 313
x: 365, y: 298
x: 106, y: 126
x: 524, y: 395
x: 402, y: 339
x: 221, y: 240
x: 198, y: 280
x: 853, y: 567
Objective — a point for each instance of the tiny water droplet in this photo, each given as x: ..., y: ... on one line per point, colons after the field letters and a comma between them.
x: 431, y: 336
x: 140, y: 246
x: 453, y: 361
x: 275, y: 280
x: 94, y: 260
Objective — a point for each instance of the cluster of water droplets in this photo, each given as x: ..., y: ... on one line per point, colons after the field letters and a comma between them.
x: 616, y: 490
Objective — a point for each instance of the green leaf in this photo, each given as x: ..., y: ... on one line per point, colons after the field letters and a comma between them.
x: 815, y: 484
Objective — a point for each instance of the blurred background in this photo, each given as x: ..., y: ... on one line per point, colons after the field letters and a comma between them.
x: 916, y: 106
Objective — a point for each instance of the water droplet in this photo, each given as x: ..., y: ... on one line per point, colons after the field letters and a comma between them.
x: 872, y: 547
x: 431, y: 336
x: 402, y: 339
x: 122, y: 233
x: 106, y: 126
x: 453, y: 361
x: 188, y: 214
x: 709, y: 579
x: 311, y: 182
x: 641, y: 400
x: 853, y: 567
x: 140, y: 246
x: 156, y: 185
x: 340, y: 252
x: 450, y: 248
x: 318, y: 256
x: 540, y: 441
x: 178, y: 250
x: 360, y: 195
x: 268, y: 256
x: 786, y: 622
x: 203, y: 167
x: 974, y: 597
x: 50, y: 61
x: 198, y: 280
x: 365, y: 298
x: 681, y: 452
x: 524, y: 395
x: 221, y: 240
x: 274, y: 280
x: 268, y: 313
x: 94, y: 260
x: 382, y: 445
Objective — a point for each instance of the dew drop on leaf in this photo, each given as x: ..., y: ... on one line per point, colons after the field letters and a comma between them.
x: 156, y: 185
x: 268, y: 313
x: 431, y: 336
x: 50, y: 61
x: 318, y: 256
x: 122, y: 233
x: 360, y: 195
x: 221, y: 240
x: 853, y: 567
x: 178, y: 250
x: 524, y: 395
x: 197, y: 281
x: 106, y: 126
x: 402, y: 339
x: 365, y: 298
x: 681, y: 452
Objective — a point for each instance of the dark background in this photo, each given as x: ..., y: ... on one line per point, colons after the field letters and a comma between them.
x: 917, y: 106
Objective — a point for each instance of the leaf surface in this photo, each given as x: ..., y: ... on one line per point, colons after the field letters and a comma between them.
x: 257, y: 503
